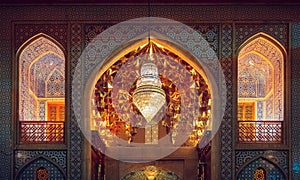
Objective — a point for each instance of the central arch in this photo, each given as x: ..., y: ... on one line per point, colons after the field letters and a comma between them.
x: 93, y: 61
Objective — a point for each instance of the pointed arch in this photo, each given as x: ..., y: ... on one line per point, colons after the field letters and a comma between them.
x: 246, y: 172
x: 36, y: 37
x: 266, y: 37
x: 37, y: 58
x: 261, y: 87
x: 53, y: 84
x: 29, y: 169
x: 129, y: 50
x: 91, y: 62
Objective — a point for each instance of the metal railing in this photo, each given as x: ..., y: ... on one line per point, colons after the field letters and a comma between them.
x: 41, y: 131
x: 260, y: 131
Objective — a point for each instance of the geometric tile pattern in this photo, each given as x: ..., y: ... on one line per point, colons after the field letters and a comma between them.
x: 75, y: 135
x: 272, y: 171
x: 198, y: 47
x: 278, y: 158
x: 76, y: 141
x: 295, y: 100
x: 36, y: 63
x: 210, y: 32
x: 92, y: 30
x: 23, y: 32
x: 5, y: 101
x: 251, y: 76
x: 41, y: 70
x: 226, y: 166
x: 56, y: 84
x: 277, y: 31
x: 30, y: 171
x: 54, y: 161
x: 268, y: 49
x: 23, y: 157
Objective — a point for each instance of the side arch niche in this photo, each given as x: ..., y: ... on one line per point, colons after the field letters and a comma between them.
x: 272, y: 171
x: 41, y: 90
x: 30, y: 171
x: 261, y: 90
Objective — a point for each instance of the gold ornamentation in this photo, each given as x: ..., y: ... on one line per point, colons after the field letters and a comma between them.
x: 105, y: 117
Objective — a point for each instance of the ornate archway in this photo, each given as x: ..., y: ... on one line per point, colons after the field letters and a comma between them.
x: 41, y: 93
x: 30, y: 170
x: 261, y: 83
x: 272, y: 171
x: 100, y: 52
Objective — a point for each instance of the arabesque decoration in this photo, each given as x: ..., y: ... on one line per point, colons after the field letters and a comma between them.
x: 107, y: 120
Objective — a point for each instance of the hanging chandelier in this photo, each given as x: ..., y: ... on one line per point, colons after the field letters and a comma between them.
x: 148, y: 96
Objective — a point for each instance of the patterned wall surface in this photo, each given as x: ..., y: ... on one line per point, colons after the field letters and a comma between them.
x: 226, y: 54
x: 33, y: 74
x: 279, y: 158
x: 56, y: 84
x: 54, y: 161
x: 209, y: 31
x: 29, y: 172
x: 44, y: 71
x: 6, y: 152
x: 259, y: 113
x: 75, y: 135
x: 272, y: 171
x: 174, y: 35
x: 295, y: 101
x: 25, y: 31
x: 176, y: 12
x: 262, y: 47
x: 279, y: 31
x: 22, y: 158
x: 182, y: 13
x: 254, y: 72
